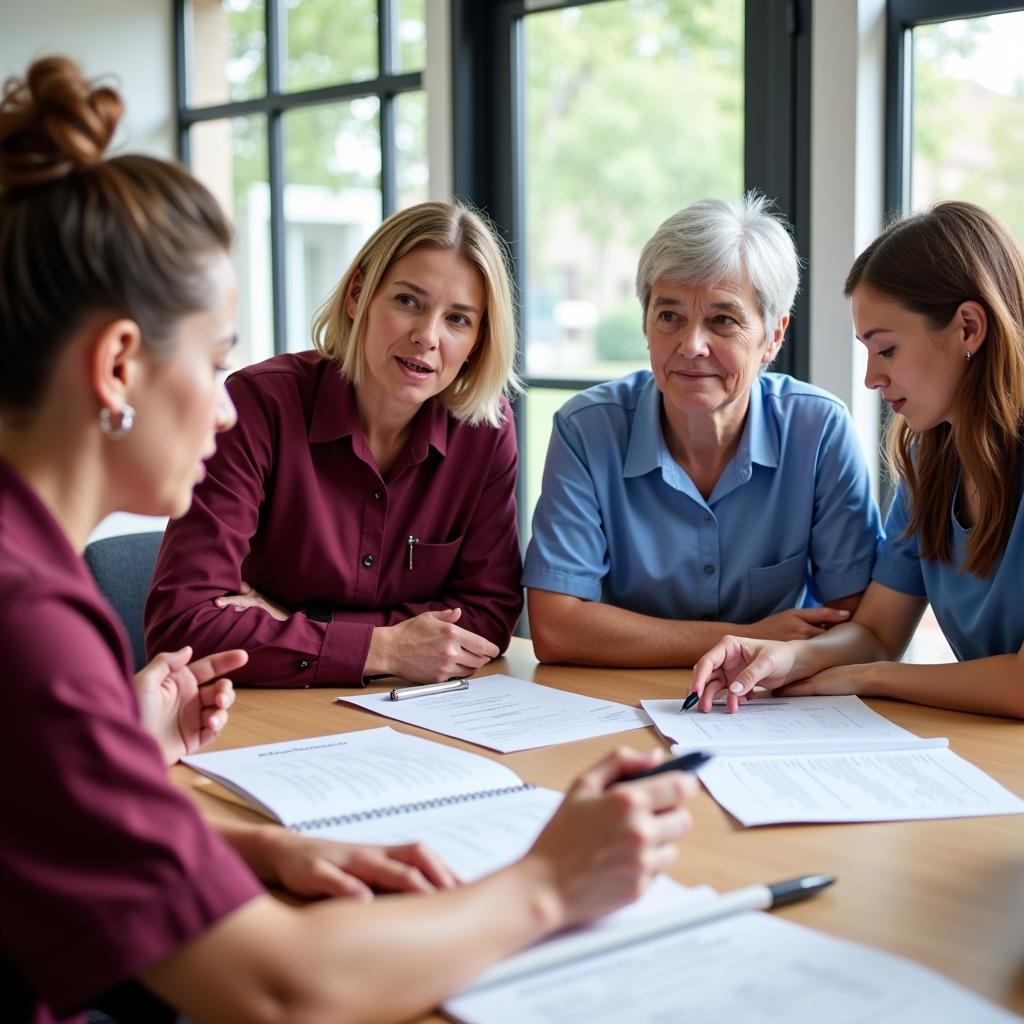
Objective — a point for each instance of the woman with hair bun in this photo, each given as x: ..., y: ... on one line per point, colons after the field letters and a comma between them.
x: 116, y: 316
x: 938, y: 302
x: 361, y: 519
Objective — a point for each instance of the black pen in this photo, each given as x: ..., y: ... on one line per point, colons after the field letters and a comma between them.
x: 691, y: 699
x: 686, y: 763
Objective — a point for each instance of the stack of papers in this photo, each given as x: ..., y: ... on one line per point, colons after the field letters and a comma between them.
x: 826, y: 759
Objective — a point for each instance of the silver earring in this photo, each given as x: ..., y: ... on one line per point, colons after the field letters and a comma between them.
x: 967, y: 355
x: 107, y: 427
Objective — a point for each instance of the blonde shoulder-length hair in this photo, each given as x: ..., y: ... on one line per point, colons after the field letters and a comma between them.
x: 475, y: 394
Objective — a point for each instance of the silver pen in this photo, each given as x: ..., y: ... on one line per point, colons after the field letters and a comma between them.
x: 427, y: 691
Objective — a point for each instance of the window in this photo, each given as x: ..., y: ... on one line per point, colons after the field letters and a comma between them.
x: 306, y: 119
x: 956, y: 131
x: 960, y: 132
x: 581, y: 126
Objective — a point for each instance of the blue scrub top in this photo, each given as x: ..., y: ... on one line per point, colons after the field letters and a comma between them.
x: 980, y: 617
x: 791, y: 521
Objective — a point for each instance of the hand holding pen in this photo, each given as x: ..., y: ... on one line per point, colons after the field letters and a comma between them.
x: 606, y: 842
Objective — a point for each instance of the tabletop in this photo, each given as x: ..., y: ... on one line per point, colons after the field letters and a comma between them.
x: 948, y: 894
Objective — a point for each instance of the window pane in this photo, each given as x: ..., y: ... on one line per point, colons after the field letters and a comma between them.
x: 330, y: 42
x: 230, y: 158
x: 411, y: 148
x: 228, y: 57
x: 541, y: 406
x: 332, y: 201
x: 633, y: 109
x: 412, y: 35
x: 968, y: 115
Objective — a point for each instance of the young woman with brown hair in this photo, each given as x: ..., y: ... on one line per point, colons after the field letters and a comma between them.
x: 116, y: 315
x: 938, y: 302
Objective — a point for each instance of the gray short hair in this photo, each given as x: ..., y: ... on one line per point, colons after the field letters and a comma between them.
x: 713, y: 240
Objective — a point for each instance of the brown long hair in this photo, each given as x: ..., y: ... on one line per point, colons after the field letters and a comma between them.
x: 81, y: 235
x: 931, y: 263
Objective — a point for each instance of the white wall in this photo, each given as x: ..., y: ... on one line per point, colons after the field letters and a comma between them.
x: 133, y: 39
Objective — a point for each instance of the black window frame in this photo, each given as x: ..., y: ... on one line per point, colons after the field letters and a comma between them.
x: 277, y: 101
x: 488, y: 117
x: 902, y: 17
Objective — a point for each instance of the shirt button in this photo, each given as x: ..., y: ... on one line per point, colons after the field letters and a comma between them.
x: 367, y: 560
x: 709, y: 569
x: 303, y: 664
x: 377, y: 495
x: 707, y: 517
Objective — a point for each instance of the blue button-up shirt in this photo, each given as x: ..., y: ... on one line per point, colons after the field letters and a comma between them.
x: 980, y: 617
x: 791, y: 520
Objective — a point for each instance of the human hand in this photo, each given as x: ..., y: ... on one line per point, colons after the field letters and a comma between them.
x: 428, y: 648
x: 185, y: 706
x: 832, y: 682
x: 736, y: 665
x: 606, y: 842
x: 310, y: 867
x: 796, y: 623
x: 247, y: 597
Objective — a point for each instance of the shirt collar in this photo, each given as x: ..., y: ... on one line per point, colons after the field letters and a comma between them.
x: 336, y: 415
x: 647, y: 450
x: 760, y: 441
x: 646, y: 447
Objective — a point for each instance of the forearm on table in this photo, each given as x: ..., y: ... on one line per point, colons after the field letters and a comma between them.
x: 846, y: 644
x: 295, y: 652
x: 362, y: 963
x: 257, y: 845
x: 572, y: 631
x: 987, y: 686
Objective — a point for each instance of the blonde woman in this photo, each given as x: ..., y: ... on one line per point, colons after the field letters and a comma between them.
x: 360, y: 519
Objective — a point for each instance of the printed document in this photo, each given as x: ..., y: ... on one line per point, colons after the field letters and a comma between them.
x: 789, y: 725
x: 885, y: 785
x: 506, y: 714
x: 753, y: 968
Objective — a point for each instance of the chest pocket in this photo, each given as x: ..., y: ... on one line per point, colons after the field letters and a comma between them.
x: 774, y: 588
x: 431, y: 566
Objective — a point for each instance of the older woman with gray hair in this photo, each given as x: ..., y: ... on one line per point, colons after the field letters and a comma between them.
x: 704, y: 496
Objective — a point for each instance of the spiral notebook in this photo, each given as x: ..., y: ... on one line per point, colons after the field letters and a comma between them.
x: 383, y: 786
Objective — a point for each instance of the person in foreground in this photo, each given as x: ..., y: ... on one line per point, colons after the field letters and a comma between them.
x: 705, y: 496
x: 116, y: 315
x: 938, y: 302
x: 360, y: 519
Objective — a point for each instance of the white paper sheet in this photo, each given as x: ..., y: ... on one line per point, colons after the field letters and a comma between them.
x: 474, y: 838
x: 871, y: 786
x: 782, y: 725
x: 507, y: 714
x: 751, y: 968
x: 349, y: 772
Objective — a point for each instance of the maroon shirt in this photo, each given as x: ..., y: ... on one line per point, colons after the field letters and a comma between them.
x: 294, y: 505
x: 105, y: 867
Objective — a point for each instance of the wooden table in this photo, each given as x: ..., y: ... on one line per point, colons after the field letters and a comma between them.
x: 948, y: 894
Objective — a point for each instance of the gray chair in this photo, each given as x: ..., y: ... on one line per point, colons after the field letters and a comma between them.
x: 123, y: 569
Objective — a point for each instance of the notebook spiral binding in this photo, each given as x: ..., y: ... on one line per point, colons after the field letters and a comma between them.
x: 315, y: 824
